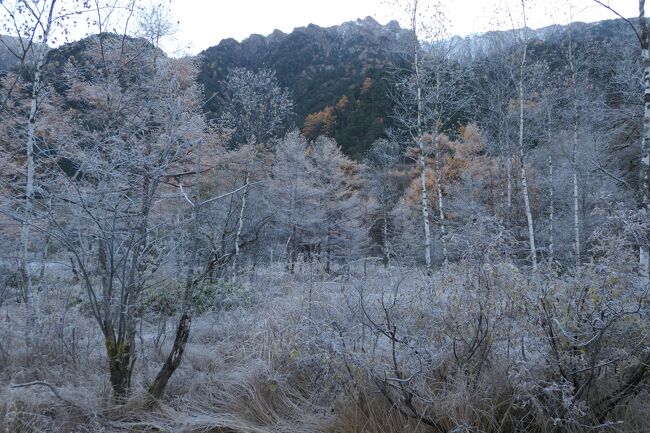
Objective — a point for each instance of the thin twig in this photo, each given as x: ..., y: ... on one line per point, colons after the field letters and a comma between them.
x: 45, y: 384
x: 611, y: 9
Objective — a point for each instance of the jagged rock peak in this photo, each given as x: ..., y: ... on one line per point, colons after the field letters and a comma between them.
x: 367, y: 25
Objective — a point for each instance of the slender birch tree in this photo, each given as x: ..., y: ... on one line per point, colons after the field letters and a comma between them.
x: 644, y: 248
x: 425, y: 101
x: 419, y: 132
x: 574, y: 152
x: 551, y: 191
x: 35, y: 25
x: 522, y: 152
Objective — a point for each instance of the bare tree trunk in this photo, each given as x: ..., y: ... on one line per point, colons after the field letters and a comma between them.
x: 502, y: 200
x: 328, y: 253
x: 644, y: 252
x: 529, y: 215
x: 509, y: 186
x: 422, y: 157
x: 524, y: 180
x: 441, y: 212
x: 386, y: 240
x: 29, y: 147
x: 291, y: 242
x: 425, y: 208
x: 576, y: 207
x: 240, y: 226
x: 157, y: 387
x: 173, y: 361
x: 291, y: 250
x: 120, y: 361
x: 551, y: 193
x: 574, y: 161
x: 551, y: 212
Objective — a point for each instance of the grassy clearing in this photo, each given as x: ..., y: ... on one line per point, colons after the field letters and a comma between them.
x: 314, y: 353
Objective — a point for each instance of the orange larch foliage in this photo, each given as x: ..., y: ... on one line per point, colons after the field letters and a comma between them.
x: 342, y: 103
x: 366, y: 85
x: 462, y: 160
x: 321, y: 123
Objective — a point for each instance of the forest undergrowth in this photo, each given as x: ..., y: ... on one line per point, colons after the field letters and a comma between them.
x: 474, y: 347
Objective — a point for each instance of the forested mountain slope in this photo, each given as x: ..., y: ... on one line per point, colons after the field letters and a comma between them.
x: 342, y: 75
x: 320, y: 66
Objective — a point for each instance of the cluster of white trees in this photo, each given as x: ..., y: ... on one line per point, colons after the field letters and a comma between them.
x: 542, y: 117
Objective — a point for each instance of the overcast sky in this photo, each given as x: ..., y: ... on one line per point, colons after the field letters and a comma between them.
x: 203, y: 23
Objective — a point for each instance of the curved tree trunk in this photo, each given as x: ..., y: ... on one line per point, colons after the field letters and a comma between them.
x: 173, y: 361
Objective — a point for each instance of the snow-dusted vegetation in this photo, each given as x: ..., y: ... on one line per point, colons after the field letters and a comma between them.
x: 178, y: 259
x: 477, y: 346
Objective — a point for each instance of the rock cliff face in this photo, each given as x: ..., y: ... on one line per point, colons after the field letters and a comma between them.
x: 319, y: 66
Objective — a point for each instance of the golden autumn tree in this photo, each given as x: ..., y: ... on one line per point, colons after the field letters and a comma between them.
x: 464, y: 167
x: 343, y: 103
x: 472, y: 173
x: 320, y: 123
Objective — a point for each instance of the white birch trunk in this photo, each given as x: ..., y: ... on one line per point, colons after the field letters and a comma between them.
x: 240, y: 226
x: 524, y: 180
x: 502, y: 196
x: 644, y: 252
x: 29, y: 147
x: 29, y: 188
x: 441, y: 212
x: 422, y: 158
x: 551, y: 211
x: 574, y: 161
x: 32, y: 308
x: 509, y: 186
x: 386, y: 240
x: 551, y: 193
x: 529, y: 217
x: 425, y: 208
x: 576, y: 206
